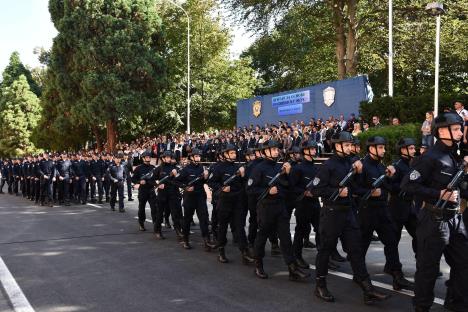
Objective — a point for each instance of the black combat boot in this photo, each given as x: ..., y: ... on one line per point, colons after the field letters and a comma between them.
x: 246, y: 257
x: 399, y: 280
x: 296, y: 274
x: 371, y: 294
x: 141, y: 228
x: 335, y: 256
x: 179, y: 234
x: 222, y: 255
x: 302, y: 263
x: 259, y: 272
x: 159, y: 236
x: 208, y: 245
x: 186, y: 243
x: 321, y: 290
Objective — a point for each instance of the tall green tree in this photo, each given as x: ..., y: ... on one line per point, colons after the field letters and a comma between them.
x: 217, y: 81
x: 19, y: 114
x: 14, y: 70
x: 107, y: 61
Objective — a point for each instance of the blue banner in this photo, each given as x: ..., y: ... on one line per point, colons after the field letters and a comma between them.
x: 290, y: 110
x: 291, y: 98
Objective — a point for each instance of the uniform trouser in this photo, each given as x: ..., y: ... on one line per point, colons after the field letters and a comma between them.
x: 117, y: 187
x: 403, y: 217
x: 214, y: 217
x: 2, y: 184
x: 46, y: 190
x: 375, y: 217
x: 129, y: 186
x: 27, y: 187
x: 106, y: 186
x: 307, y: 212
x: 434, y: 239
x: 80, y: 189
x: 63, y: 189
x: 23, y: 186
x: 96, y: 184
x: 171, y: 201
x: 230, y: 211
x: 10, y: 185
x: 195, y: 202
x: 16, y: 181
x: 272, y: 217
x: 340, y: 222
x: 147, y: 194
x: 252, y: 201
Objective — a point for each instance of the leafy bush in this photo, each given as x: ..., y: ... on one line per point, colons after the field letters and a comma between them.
x: 407, y: 109
x: 392, y: 134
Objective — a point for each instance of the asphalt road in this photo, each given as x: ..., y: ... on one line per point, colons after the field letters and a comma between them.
x: 87, y: 258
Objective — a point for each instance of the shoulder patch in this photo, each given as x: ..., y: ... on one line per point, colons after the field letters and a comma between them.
x: 249, y: 182
x: 414, y: 175
x: 316, y: 181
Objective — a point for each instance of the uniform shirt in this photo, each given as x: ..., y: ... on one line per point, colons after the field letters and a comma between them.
x: 371, y: 170
x: 161, y: 172
x: 117, y: 173
x: 139, y: 174
x: 263, y: 174
x: 221, y: 173
x: 328, y: 178
x: 431, y: 173
x: 64, y: 168
x: 248, y: 174
x: 97, y: 168
x: 79, y: 168
x: 189, y: 173
x: 46, y: 168
x: 301, y: 175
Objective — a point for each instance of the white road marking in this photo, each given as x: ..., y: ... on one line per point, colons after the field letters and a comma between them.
x: 378, y: 284
x: 15, y: 294
x: 94, y: 205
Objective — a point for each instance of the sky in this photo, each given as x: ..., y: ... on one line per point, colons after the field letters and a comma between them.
x: 26, y: 24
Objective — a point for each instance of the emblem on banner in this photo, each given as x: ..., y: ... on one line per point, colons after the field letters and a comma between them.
x: 256, y: 108
x: 329, y: 96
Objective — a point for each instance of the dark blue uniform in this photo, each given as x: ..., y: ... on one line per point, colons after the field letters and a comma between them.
x: 117, y: 177
x: 97, y: 171
x: 64, y: 176
x: 168, y: 198
x: 47, y: 173
x: 80, y: 175
x: 439, y: 231
x: 146, y: 193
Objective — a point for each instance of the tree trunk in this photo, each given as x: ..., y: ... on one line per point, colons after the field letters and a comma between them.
x: 352, y: 40
x: 340, y: 42
x: 111, y: 127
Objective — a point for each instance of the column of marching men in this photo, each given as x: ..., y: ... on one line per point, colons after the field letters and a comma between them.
x: 347, y: 198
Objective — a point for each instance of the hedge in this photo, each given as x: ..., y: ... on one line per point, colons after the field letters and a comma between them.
x: 407, y: 109
x: 392, y: 134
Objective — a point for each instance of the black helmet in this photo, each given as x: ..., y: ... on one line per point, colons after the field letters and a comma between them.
x: 167, y: 154
x: 445, y: 120
x: 250, y: 151
x: 343, y: 136
x: 309, y: 144
x: 294, y: 150
x: 404, y: 142
x: 146, y: 154
x: 270, y: 144
x: 196, y: 151
x: 229, y: 147
x: 376, y: 140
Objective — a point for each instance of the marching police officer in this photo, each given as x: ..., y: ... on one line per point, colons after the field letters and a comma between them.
x: 308, y: 207
x: 116, y: 173
x: 97, y: 172
x: 64, y: 173
x: 144, y: 180
x: 192, y: 178
x: 47, y: 174
x: 168, y: 196
x: 441, y: 229
x: 338, y: 220
x: 128, y: 163
x: 229, y: 207
x: 80, y: 174
x: 373, y: 210
x: 268, y: 180
x: 401, y: 205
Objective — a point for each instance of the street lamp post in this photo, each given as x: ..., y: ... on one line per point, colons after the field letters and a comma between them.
x: 436, y: 9
x: 390, y: 48
x: 188, y: 62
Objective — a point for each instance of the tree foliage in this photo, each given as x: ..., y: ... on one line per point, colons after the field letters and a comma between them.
x: 19, y: 113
